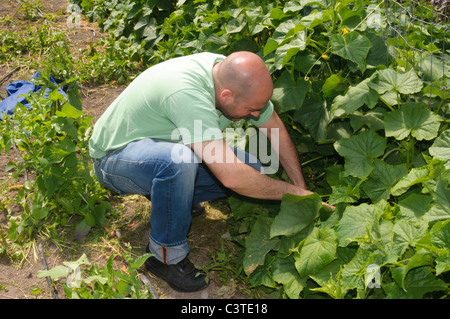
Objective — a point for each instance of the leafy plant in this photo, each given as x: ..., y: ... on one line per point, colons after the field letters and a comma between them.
x: 110, y: 60
x: 35, y: 41
x: 86, y: 281
x: 32, y: 9
x: 373, y: 139
x: 53, y: 139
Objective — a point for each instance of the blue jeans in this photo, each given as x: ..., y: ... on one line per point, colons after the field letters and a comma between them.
x: 173, y: 179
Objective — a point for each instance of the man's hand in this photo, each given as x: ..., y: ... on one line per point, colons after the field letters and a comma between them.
x: 276, y: 132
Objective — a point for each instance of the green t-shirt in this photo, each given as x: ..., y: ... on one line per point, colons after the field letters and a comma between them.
x: 172, y: 101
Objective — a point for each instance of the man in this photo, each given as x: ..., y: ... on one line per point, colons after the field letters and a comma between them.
x: 152, y: 141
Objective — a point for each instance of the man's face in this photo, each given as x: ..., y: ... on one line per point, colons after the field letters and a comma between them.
x: 241, y: 108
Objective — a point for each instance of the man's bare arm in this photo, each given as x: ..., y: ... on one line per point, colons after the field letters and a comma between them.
x: 240, y: 177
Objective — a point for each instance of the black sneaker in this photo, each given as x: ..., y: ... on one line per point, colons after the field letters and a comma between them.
x: 183, y: 277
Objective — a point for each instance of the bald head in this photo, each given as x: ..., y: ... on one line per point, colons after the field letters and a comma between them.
x: 245, y: 74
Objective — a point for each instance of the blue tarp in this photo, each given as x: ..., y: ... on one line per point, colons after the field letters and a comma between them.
x: 17, y: 92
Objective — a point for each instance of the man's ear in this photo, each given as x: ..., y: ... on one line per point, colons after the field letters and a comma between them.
x: 227, y: 96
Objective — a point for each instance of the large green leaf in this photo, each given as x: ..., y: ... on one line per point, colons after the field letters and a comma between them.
x: 342, y: 194
x: 418, y: 282
x: 284, y: 30
x: 382, y: 179
x: 334, y: 85
x: 441, y: 146
x: 443, y: 262
x: 414, y: 206
x: 360, y: 151
x: 378, y: 54
x: 373, y: 119
x: 288, y: 95
x: 318, y: 250
x: 258, y: 244
x: 285, y: 52
x: 415, y: 176
x: 407, y: 233
x: 313, y: 115
x: 281, y: 35
x: 284, y: 272
x: 355, y: 97
x: 441, y: 208
x: 412, y: 118
x: 329, y: 273
x: 236, y: 25
x: 347, y: 190
x: 297, y: 213
x: 356, y: 221
x: 388, y: 79
x: 440, y: 238
x: 69, y: 111
x: 353, y: 272
x: 55, y: 273
x: 420, y: 258
x: 353, y: 47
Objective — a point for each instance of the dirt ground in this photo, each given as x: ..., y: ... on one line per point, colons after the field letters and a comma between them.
x: 18, y: 280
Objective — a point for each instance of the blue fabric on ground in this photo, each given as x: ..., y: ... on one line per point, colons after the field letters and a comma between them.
x: 17, y: 92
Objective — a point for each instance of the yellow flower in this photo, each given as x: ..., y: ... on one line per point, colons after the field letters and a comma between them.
x: 325, y: 56
x: 346, y: 31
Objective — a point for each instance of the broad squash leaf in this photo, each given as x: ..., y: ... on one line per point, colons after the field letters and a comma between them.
x: 355, y: 97
x: 285, y: 52
x: 415, y: 176
x: 441, y: 146
x: 284, y: 272
x: 389, y: 79
x: 407, y: 233
x: 258, y: 244
x: 318, y: 250
x: 313, y: 115
x: 382, y: 179
x: 417, y: 282
x: 353, y: 47
x: 355, y: 222
x: 297, y: 213
x: 412, y: 118
x: 288, y: 95
x: 360, y: 151
x: 414, y: 206
x: 441, y: 208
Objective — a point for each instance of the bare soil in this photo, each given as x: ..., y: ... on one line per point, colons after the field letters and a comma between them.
x: 18, y: 279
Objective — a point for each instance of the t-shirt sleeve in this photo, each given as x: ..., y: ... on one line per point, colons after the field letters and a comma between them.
x: 264, y: 116
x: 193, y: 114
